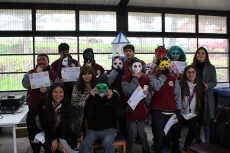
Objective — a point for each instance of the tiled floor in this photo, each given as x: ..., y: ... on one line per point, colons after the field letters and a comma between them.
x: 23, y: 146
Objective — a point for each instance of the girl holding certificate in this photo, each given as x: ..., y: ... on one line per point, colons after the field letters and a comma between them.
x: 193, y: 103
x: 85, y: 83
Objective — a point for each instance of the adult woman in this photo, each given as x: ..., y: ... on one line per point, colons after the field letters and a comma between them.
x: 85, y: 83
x: 53, y: 118
x: 193, y: 103
x: 207, y: 73
x: 66, y: 61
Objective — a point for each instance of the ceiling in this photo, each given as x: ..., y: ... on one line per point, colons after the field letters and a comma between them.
x: 220, y: 5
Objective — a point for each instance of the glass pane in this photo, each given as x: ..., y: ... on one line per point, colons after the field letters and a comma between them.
x: 212, y: 24
x: 187, y: 44
x: 98, y: 44
x: 102, y: 59
x: 180, y: 23
x: 189, y: 58
x: 11, y: 82
x: 22, y: 63
x: 144, y: 44
x: 219, y: 60
x: 52, y: 58
x: 222, y: 75
x: 50, y: 44
x: 148, y: 22
x: 15, y: 20
x: 97, y: 21
x: 147, y: 58
x: 54, y: 20
x: 214, y: 45
x: 16, y: 45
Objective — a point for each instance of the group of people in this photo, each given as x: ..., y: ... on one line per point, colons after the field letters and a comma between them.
x: 100, y: 99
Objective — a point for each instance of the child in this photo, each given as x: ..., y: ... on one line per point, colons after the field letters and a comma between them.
x: 135, y: 119
x: 165, y: 102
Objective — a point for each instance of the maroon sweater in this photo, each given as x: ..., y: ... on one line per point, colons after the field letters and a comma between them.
x: 98, y: 69
x: 56, y: 64
x: 141, y: 111
x: 34, y: 94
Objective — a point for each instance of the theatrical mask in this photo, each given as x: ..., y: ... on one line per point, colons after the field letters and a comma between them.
x: 175, y: 54
x: 161, y: 52
x: 42, y: 61
x: 102, y: 88
x: 136, y: 67
x: 67, y: 61
x: 88, y: 57
x: 117, y: 63
x: 164, y: 64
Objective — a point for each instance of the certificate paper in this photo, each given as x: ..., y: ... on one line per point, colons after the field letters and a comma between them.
x: 136, y: 97
x: 66, y: 146
x: 39, y: 79
x: 173, y: 119
x: 70, y: 74
x: 180, y: 65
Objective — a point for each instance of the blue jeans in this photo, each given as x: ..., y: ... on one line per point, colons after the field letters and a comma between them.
x: 206, y: 133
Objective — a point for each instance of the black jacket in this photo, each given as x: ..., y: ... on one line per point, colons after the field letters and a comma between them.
x: 102, y: 112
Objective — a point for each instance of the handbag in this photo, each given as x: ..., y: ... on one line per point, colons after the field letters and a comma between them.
x: 220, y: 131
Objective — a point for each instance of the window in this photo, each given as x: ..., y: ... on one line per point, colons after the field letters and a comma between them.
x: 147, y: 22
x: 180, y: 23
x: 212, y: 24
x: 97, y: 21
x: 15, y: 20
x: 55, y: 20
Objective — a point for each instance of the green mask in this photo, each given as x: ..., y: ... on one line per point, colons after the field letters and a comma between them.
x: 102, y: 88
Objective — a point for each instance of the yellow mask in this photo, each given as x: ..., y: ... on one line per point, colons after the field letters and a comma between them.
x: 164, y: 64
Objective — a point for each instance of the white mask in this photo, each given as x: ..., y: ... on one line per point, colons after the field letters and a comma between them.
x: 136, y: 67
x: 102, y: 94
x: 65, y: 61
x: 117, y: 63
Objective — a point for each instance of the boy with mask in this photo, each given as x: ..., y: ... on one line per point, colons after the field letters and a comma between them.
x: 135, y: 119
x: 129, y: 52
x: 34, y: 95
x: 63, y: 49
x: 89, y: 60
x: 165, y: 102
x: 102, y: 108
x: 115, y: 77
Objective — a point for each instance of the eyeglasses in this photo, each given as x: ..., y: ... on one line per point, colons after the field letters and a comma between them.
x: 191, y: 72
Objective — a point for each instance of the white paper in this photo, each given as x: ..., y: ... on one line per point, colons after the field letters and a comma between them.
x: 39, y: 79
x: 173, y: 119
x: 136, y: 97
x: 70, y: 74
x: 146, y: 87
x: 39, y: 138
x: 66, y: 146
x: 180, y: 65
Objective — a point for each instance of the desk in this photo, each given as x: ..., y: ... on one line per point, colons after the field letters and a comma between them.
x: 223, y: 95
x: 12, y: 119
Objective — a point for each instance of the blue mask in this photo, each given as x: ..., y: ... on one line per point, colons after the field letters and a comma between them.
x: 175, y: 54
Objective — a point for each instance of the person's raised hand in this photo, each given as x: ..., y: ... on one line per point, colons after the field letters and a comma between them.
x: 89, y: 64
x: 39, y: 69
x: 54, y: 146
x: 73, y: 65
x: 62, y: 80
x: 93, y: 92
x: 43, y: 89
x: 109, y: 94
x: 146, y: 91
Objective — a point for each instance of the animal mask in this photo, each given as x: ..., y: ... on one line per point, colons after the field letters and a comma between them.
x: 117, y: 62
x: 136, y: 67
x: 102, y: 88
x: 88, y: 57
x: 42, y: 61
x: 161, y: 52
x: 164, y: 64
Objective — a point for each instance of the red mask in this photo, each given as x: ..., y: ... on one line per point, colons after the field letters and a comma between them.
x: 42, y: 61
x: 161, y: 51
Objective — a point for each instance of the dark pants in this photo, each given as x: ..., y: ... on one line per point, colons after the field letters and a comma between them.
x: 123, y: 127
x: 159, y: 122
x: 30, y: 124
x: 193, y: 130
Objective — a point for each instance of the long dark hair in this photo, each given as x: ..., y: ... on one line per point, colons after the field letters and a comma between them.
x: 195, y: 61
x: 81, y: 83
x: 65, y: 108
x: 198, y: 89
